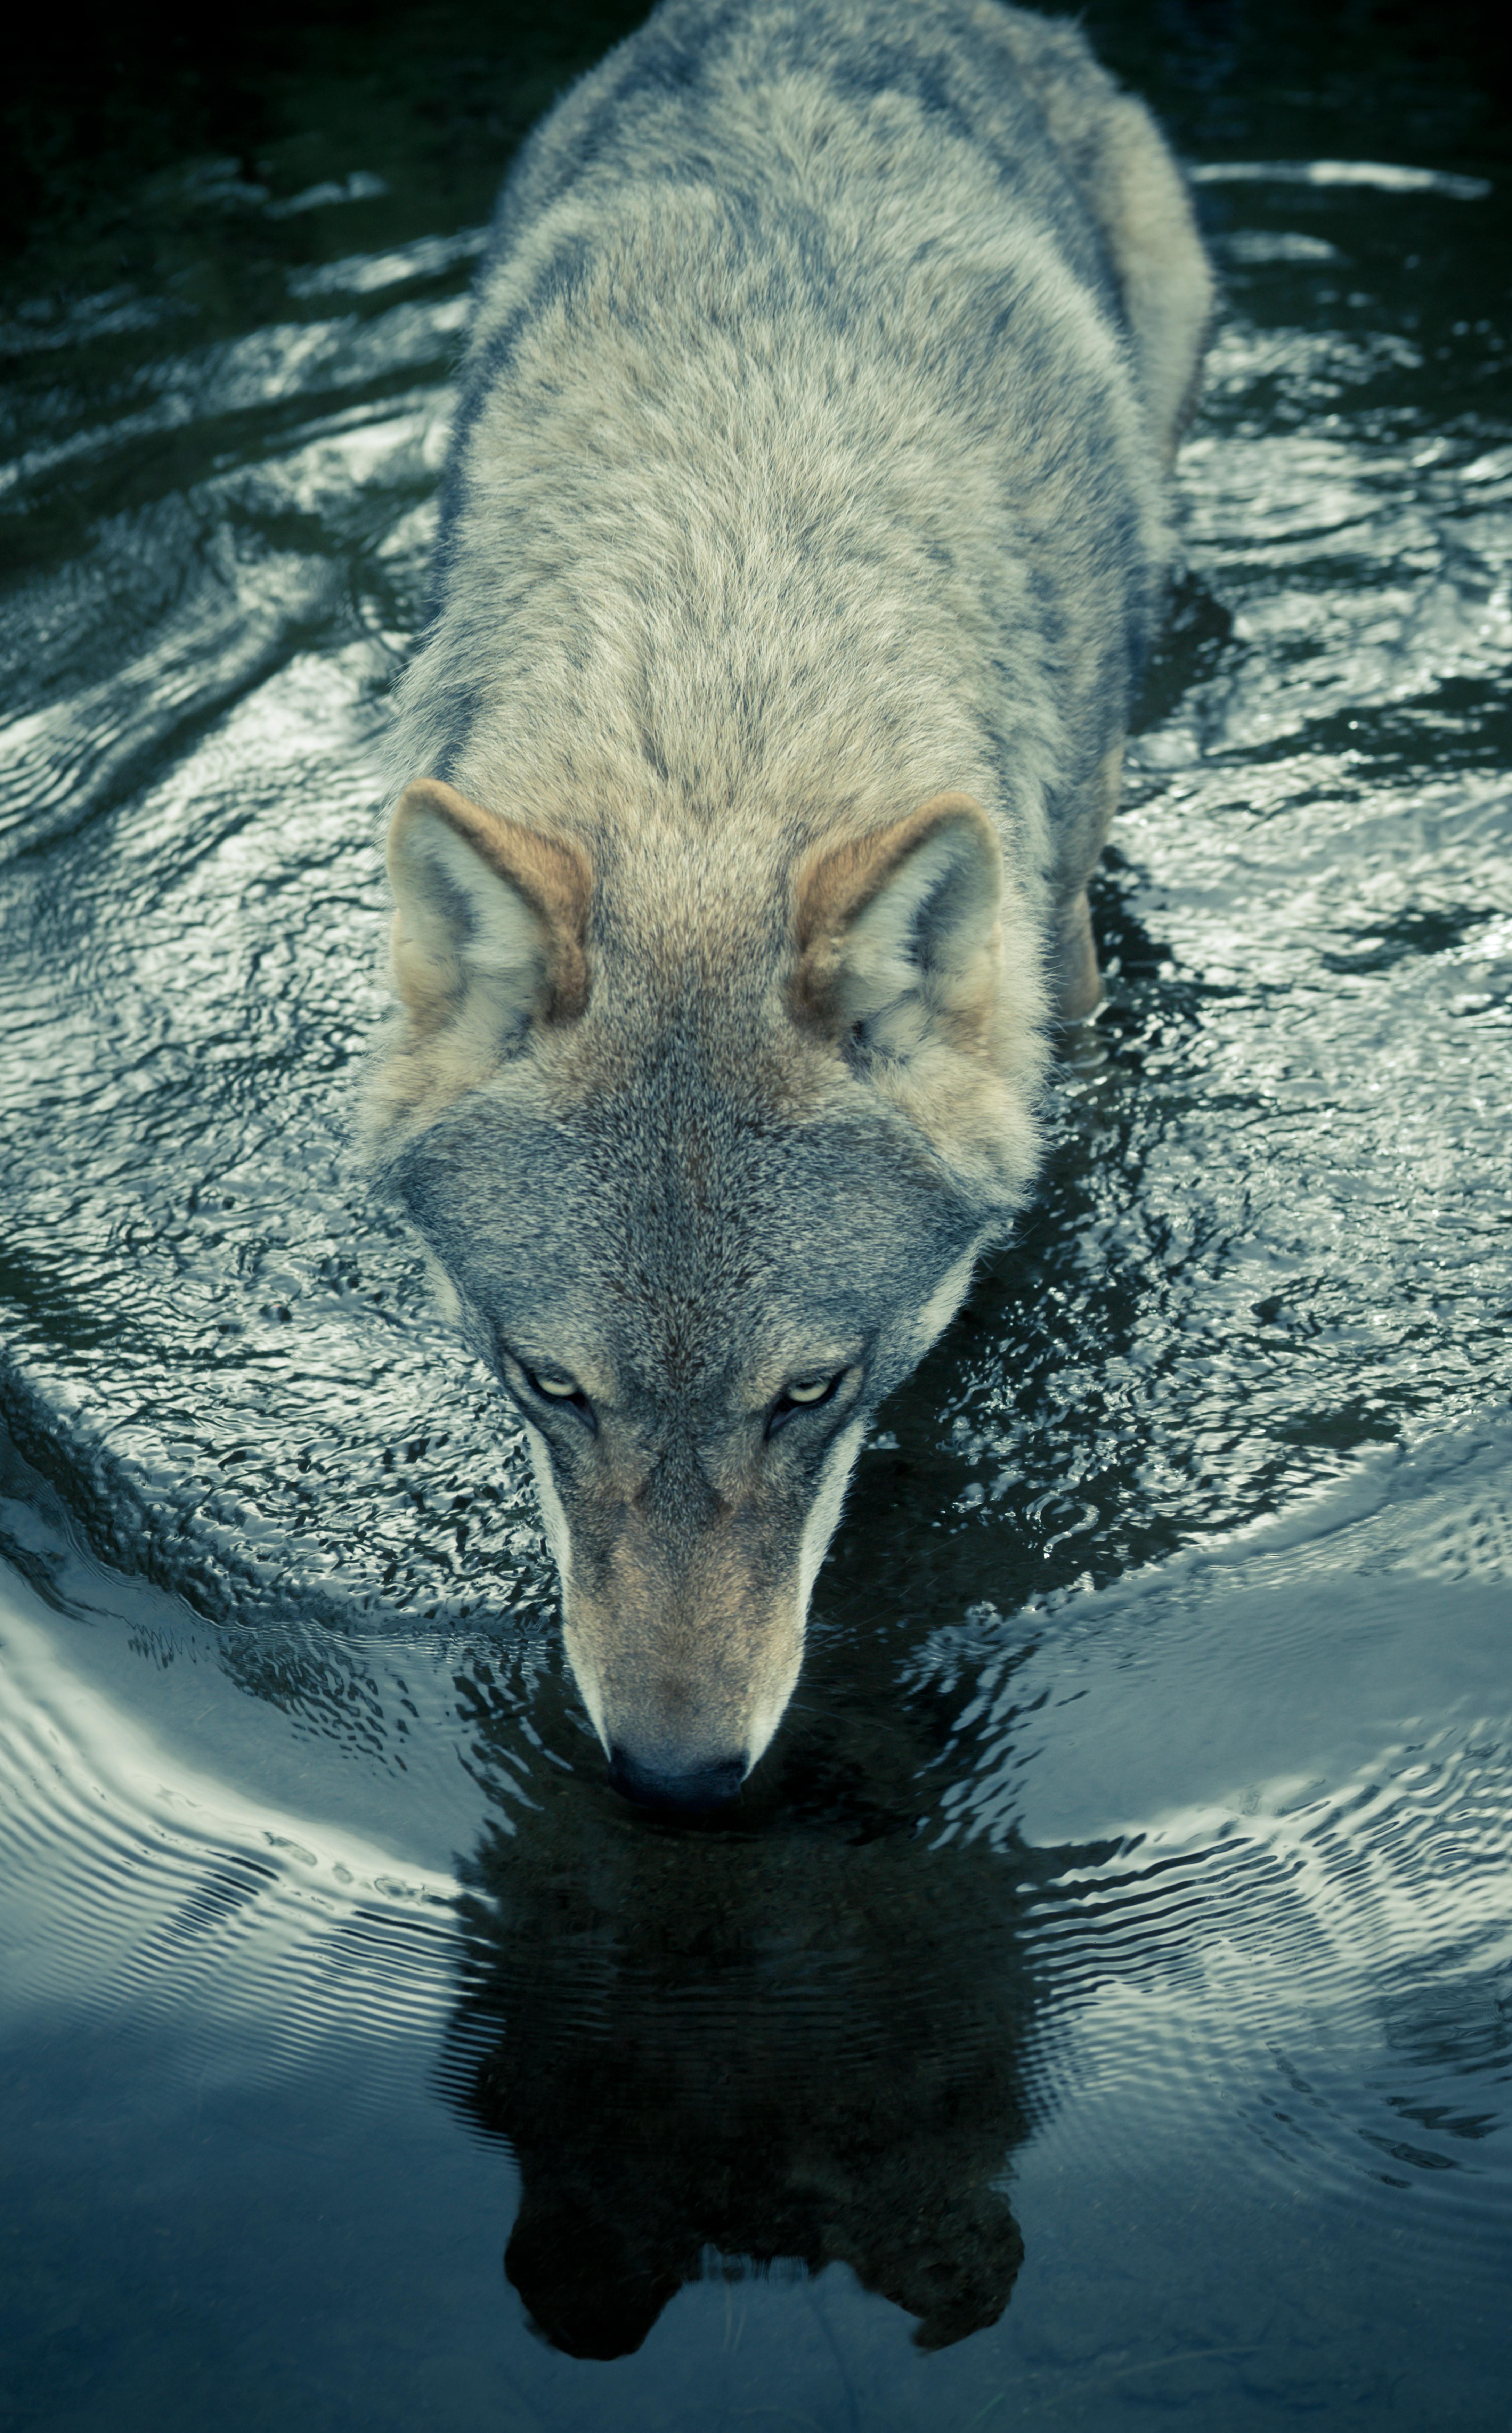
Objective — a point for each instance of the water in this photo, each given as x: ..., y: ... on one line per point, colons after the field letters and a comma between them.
x: 1101, y: 2000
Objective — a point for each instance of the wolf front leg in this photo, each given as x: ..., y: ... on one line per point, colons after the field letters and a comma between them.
x: 1075, y: 982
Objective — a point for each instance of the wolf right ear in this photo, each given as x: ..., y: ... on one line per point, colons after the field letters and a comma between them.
x: 898, y: 939
x: 489, y: 929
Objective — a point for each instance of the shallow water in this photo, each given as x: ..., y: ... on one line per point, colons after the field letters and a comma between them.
x: 1102, y: 1998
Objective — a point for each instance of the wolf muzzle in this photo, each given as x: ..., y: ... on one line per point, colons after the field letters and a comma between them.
x: 690, y: 1793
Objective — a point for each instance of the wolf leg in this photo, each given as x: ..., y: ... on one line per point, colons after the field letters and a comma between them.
x: 1122, y: 166
x: 1076, y: 983
x: 1161, y: 267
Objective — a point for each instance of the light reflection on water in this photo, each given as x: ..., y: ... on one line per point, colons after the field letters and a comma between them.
x: 1121, y: 1926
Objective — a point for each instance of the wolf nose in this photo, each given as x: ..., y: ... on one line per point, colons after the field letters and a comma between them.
x: 676, y: 1794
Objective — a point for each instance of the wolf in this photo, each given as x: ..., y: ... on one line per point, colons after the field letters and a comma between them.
x: 805, y: 522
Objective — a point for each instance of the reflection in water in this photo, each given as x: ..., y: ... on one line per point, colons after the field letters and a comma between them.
x: 801, y: 2040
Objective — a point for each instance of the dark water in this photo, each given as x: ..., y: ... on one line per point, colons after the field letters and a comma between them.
x: 1100, y: 2005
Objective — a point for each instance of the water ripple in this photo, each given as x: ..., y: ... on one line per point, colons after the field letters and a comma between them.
x: 135, y: 1885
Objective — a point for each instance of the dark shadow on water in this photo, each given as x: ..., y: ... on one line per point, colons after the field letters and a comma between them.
x: 805, y: 2034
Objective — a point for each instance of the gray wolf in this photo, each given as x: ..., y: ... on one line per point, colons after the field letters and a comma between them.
x: 804, y: 527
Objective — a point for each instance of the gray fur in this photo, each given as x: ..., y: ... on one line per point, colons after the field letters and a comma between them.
x: 810, y: 467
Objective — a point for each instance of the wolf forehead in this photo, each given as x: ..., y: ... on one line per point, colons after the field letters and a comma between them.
x: 676, y: 1226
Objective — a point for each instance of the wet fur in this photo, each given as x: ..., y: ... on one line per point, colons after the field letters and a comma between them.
x: 804, y: 530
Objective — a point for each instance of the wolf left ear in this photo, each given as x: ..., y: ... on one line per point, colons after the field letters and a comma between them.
x: 898, y: 936
x: 489, y: 929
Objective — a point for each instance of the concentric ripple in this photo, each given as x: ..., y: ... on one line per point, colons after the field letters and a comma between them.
x: 1324, y: 1992
x: 135, y: 1885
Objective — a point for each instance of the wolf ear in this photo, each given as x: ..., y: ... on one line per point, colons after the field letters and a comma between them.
x: 898, y: 936
x: 491, y: 916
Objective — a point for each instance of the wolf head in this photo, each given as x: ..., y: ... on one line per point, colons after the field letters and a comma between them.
x: 702, y: 1180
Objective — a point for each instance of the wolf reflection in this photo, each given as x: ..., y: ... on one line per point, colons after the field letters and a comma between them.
x: 808, y: 2036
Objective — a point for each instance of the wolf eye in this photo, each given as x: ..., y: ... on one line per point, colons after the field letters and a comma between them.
x: 803, y: 1394
x: 811, y: 1389
x: 560, y: 1389
x: 564, y: 1391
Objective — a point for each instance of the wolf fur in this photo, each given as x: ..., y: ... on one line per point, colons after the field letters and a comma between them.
x: 805, y: 529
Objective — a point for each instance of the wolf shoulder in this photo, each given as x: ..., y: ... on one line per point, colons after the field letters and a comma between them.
x: 813, y: 434
x: 911, y: 126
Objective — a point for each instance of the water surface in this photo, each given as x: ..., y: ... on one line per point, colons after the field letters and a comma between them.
x: 1101, y: 2000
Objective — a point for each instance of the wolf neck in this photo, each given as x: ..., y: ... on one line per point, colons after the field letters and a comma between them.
x: 690, y: 572
x: 720, y: 553
x: 713, y: 677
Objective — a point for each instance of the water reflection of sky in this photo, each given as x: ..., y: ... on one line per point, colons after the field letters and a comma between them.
x: 1108, y: 1975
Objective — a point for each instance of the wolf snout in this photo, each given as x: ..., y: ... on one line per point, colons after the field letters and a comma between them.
x: 686, y: 1657
x: 673, y: 1790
